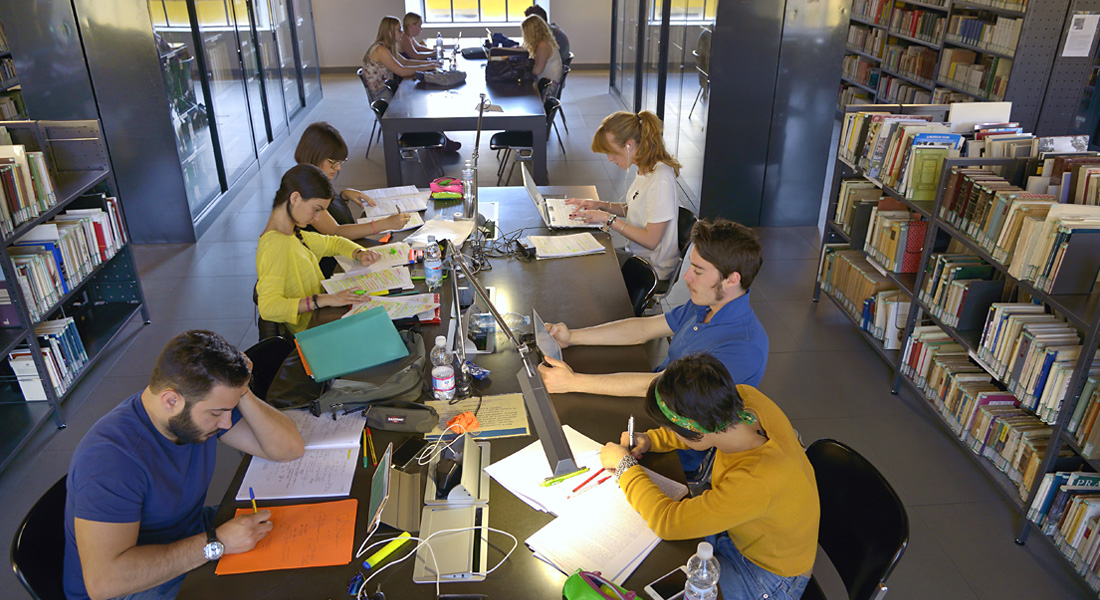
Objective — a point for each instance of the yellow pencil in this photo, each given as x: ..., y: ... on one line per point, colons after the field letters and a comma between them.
x: 370, y: 439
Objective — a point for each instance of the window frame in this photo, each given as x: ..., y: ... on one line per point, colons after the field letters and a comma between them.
x: 418, y: 7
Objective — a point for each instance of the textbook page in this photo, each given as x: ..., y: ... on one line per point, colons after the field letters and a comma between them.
x: 397, y: 278
x: 317, y: 474
x: 325, y: 432
x: 397, y: 254
x: 415, y: 220
x: 560, y: 246
x: 390, y: 201
x: 400, y: 307
x: 600, y: 531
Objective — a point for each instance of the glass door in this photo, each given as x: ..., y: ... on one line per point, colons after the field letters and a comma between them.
x: 270, y: 66
x: 627, y: 52
x: 307, y: 50
x: 284, y: 41
x: 250, y: 67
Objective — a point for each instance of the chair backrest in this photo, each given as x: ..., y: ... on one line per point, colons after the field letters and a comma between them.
x: 38, y: 549
x: 641, y: 281
x: 379, y: 107
x: 567, y: 59
x: 685, y: 222
x: 267, y: 356
x: 864, y: 527
x: 551, y: 106
x: 565, y: 70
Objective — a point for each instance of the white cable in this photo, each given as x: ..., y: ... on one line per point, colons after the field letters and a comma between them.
x: 424, y: 541
x: 430, y: 451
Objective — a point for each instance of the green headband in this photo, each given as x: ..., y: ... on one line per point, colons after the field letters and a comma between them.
x: 691, y: 424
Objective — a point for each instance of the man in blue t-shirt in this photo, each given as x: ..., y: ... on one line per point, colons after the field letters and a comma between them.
x: 717, y: 320
x: 134, y: 518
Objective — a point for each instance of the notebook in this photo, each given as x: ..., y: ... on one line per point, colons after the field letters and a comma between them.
x: 554, y: 211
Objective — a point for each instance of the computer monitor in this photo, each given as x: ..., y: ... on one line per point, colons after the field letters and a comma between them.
x: 539, y: 407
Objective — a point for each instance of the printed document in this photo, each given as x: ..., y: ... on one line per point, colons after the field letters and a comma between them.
x: 499, y: 416
x: 456, y: 231
x: 393, y: 255
x: 397, y: 278
x: 560, y: 246
x: 390, y: 201
x: 401, y: 307
x: 415, y: 220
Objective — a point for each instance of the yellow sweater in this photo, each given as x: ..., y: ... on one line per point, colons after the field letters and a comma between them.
x: 766, y: 498
x: 288, y: 272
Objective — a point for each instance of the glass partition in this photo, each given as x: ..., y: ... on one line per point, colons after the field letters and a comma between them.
x: 270, y: 66
x: 307, y: 50
x: 284, y: 39
x: 250, y: 63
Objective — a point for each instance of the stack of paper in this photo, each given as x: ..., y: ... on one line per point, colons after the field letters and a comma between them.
x: 325, y: 469
x: 390, y: 201
x: 386, y: 280
x: 415, y: 220
x: 561, y: 246
x: 396, y: 254
x: 401, y: 307
x: 456, y: 231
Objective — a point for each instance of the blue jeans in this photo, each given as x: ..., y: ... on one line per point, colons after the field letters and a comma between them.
x: 741, y: 579
x: 165, y: 591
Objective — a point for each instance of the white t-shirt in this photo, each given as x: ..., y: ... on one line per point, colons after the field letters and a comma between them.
x: 652, y: 198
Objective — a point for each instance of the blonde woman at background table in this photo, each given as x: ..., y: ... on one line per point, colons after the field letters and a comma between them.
x: 383, y: 60
x: 648, y: 217
x: 289, y: 286
x: 410, y: 46
x: 539, y: 42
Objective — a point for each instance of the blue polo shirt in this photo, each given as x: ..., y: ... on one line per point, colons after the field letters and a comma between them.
x: 734, y: 336
x: 123, y: 471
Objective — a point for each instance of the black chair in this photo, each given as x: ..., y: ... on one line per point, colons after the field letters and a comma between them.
x: 640, y: 280
x: 702, y: 65
x: 267, y: 356
x: 864, y: 527
x: 522, y: 143
x: 565, y: 70
x: 685, y: 221
x: 38, y: 549
x: 413, y: 144
x: 377, y: 115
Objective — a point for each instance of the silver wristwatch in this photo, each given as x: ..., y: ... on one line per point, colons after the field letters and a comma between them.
x: 213, y: 549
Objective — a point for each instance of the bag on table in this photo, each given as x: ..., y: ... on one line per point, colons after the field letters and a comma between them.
x: 509, y: 66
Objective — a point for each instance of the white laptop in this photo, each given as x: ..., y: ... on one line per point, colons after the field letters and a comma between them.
x: 554, y: 211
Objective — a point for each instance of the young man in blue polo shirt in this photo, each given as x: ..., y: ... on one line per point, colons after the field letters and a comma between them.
x: 134, y: 517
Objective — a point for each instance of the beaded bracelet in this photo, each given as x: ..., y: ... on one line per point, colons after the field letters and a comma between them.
x: 624, y: 465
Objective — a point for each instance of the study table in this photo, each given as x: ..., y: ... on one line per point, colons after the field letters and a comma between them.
x: 580, y: 291
x: 418, y: 106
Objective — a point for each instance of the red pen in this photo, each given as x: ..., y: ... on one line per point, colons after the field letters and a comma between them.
x: 576, y: 493
x: 594, y: 475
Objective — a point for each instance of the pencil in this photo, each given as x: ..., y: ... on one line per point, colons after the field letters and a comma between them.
x: 370, y: 440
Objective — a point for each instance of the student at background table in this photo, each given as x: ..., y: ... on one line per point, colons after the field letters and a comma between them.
x: 134, y: 516
x: 648, y: 217
x: 383, y: 60
x: 323, y: 147
x: 411, y: 47
x: 762, y: 511
x: 539, y: 42
x: 559, y: 35
x: 289, y: 287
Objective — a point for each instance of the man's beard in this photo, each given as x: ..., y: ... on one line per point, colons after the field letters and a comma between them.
x: 186, y: 431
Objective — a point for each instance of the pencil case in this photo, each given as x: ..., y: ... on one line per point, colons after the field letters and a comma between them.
x: 590, y: 585
x: 446, y: 187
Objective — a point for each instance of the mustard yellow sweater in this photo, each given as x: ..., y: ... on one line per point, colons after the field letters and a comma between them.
x: 766, y: 498
x: 288, y: 272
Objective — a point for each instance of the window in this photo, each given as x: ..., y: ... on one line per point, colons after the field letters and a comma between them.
x: 470, y: 11
x: 685, y: 10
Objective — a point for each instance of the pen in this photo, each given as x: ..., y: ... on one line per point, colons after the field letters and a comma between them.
x: 370, y: 440
x: 576, y: 493
x: 585, y: 482
x: 387, y: 550
x: 549, y: 481
x: 364, y: 447
x: 630, y: 432
x: 252, y: 495
x: 385, y: 292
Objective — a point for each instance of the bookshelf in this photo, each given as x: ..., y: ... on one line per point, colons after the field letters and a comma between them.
x: 966, y: 361
x: 953, y: 51
x: 100, y: 294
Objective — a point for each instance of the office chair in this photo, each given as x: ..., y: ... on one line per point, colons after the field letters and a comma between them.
x: 640, y: 280
x: 522, y: 142
x: 685, y: 222
x: 38, y: 549
x: 267, y: 356
x: 702, y: 65
x: 864, y: 527
x: 377, y: 115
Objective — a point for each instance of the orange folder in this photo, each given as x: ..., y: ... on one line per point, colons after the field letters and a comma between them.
x: 305, y: 535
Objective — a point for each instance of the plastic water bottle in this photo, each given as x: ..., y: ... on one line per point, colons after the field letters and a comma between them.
x: 703, y: 570
x: 469, y: 189
x: 433, y: 264
x: 443, y: 374
x: 438, y: 45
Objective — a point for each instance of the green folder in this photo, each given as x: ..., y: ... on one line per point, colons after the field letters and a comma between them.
x: 344, y: 346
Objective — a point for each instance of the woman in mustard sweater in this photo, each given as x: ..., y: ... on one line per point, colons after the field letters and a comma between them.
x: 289, y: 287
x: 762, y: 511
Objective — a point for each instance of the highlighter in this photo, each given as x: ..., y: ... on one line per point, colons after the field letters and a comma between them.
x: 387, y: 550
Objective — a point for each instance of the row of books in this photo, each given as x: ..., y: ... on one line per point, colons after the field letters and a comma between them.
x: 987, y: 419
x: 1067, y: 508
x: 850, y: 94
x: 1032, y: 352
x: 946, y: 96
x: 1082, y: 423
x: 11, y: 105
x: 26, y: 188
x: 4, y: 46
x: 62, y: 351
x: 999, y: 34
x: 875, y: 11
x: 847, y: 276
x: 987, y: 77
x: 860, y: 70
x: 866, y: 39
x: 916, y: 62
x: 1017, y: 5
x: 7, y: 69
x: 893, y: 89
x: 959, y: 288
x: 905, y: 152
x: 54, y: 257
x: 916, y: 23
x: 895, y: 237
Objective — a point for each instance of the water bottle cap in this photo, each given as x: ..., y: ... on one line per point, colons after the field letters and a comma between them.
x: 440, y: 340
x: 705, y: 551
x: 431, y: 239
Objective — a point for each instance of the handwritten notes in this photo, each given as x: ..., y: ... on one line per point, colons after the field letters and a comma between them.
x: 415, y: 220
x: 304, y: 535
x: 397, y: 278
x: 318, y: 473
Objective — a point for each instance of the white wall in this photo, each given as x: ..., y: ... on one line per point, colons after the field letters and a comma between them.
x: 346, y: 27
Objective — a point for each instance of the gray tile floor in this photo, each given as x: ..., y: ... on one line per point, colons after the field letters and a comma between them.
x: 821, y: 371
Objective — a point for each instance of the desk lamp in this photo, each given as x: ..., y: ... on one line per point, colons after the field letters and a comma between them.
x: 535, y: 396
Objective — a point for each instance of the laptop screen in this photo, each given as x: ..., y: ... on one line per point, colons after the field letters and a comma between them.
x: 534, y: 193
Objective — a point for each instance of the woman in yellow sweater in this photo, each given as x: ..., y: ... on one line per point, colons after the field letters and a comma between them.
x: 762, y: 511
x: 289, y: 287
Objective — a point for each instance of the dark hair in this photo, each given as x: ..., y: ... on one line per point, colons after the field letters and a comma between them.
x: 193, y: 362
x: 730, y: 247
x: 320, y: 141
x: 535, y: 9
x: 307, y: 180
x: 698, y: 387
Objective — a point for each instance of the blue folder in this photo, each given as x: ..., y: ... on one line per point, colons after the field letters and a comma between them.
x: 344, y: 346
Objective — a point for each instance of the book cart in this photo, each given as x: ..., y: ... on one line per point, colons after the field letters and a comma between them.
x: 105, y: 298
x: 1080, y: 310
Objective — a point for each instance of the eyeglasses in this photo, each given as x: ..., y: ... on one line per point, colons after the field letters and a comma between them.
x: 336, y: 163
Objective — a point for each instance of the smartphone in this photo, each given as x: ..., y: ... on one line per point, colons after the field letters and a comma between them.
x: 407, y: 451
x: 670, y: 586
